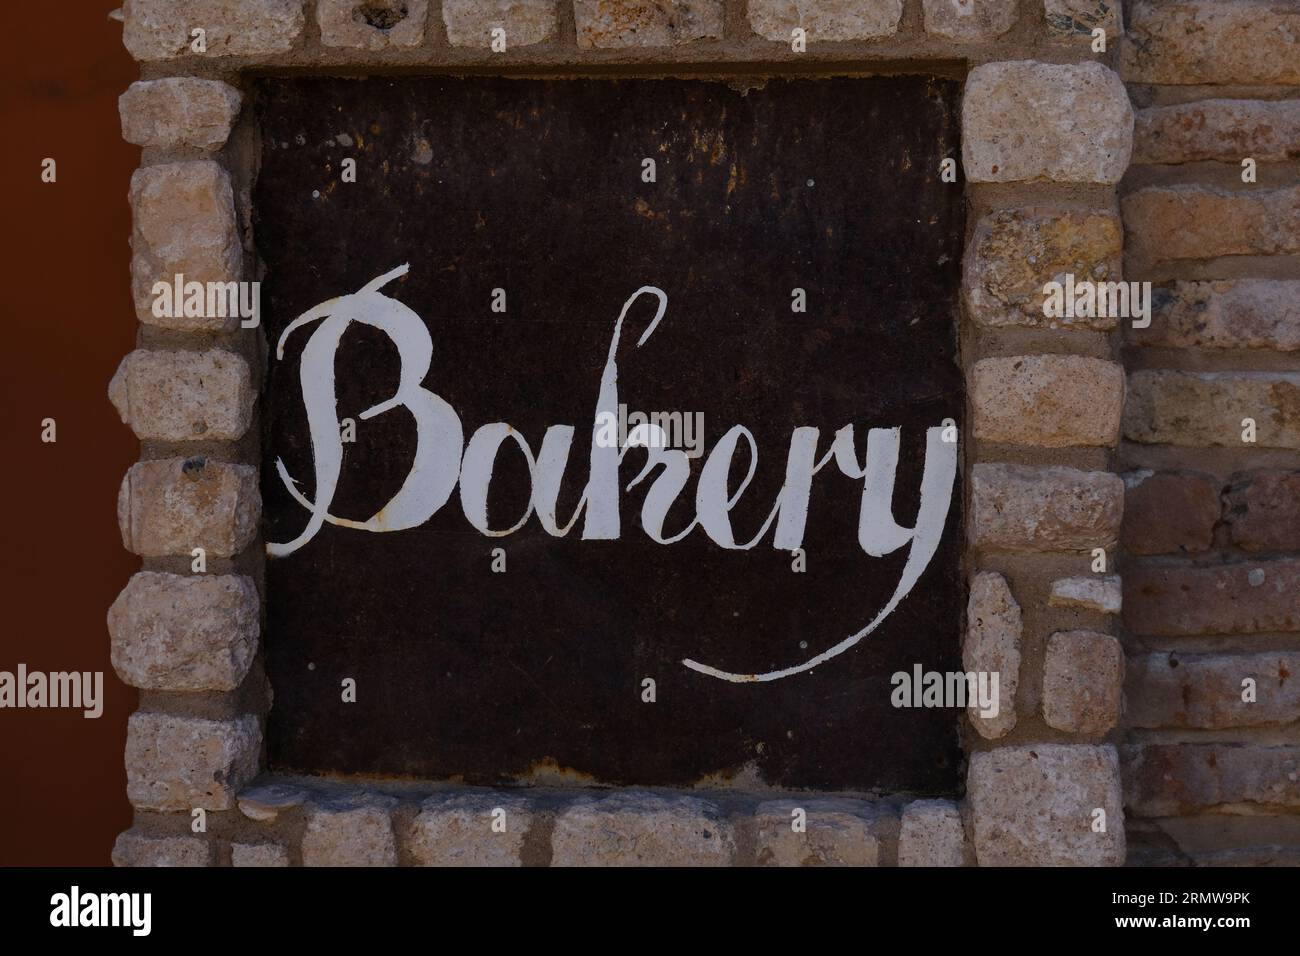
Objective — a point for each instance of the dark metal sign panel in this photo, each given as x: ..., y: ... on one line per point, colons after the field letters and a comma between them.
x: 480, y: 566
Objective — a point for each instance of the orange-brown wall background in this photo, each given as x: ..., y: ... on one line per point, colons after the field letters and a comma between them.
x: 67, y: 321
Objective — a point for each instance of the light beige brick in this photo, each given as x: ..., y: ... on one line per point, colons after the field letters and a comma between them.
x: 835, y: 832
x: 622, y: 24
x: 258, y: 854
x: 351, y: 831
x: 1083, y: 682
x: 1202, y: 222
x: 176, y: 764
x: 372, y: 25
x: 184, y: 633
x: 637, y: 828
x: 161, y: 29
x: 184, y: 224
x: 178, y: 111
x: 173, y: 505
x: 470, y: 22
x: 184, y: 396
x: 1098, y: 592
x: 1199, y: 409
x: 1024, y: 121
x: 968, y: 20
x: 932, y: 834
x: 826, y: 20
x: 1034, y: 805
x: 992, y: 645
x: 479, y: 829
x: 1212, y: 41
x: 1230, y: 314
x: 1222, y: 130
x: 134, y: 848
x: 1030, y: 508
x: 1051, y: 401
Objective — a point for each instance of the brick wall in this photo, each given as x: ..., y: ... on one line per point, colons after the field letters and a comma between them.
x: 1212, y: 522
x: 1047, y: 132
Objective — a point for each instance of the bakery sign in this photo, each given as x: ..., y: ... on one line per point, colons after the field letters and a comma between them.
x: 612, y: 428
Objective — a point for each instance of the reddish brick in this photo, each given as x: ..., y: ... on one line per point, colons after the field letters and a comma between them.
x: 1263, y: 511
x: 1169, y: 513
x: 1163, y: 780
x: 1244, y: 598
x: 1205, y: 692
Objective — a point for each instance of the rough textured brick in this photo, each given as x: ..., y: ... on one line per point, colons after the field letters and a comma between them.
x: 265, y: 803
x: 1213, y: 41
x: 1204, y: 222
x: 992, y: 644
x: 1243, y: 598
x: 616, y: 24
x: 350, y: 831
x: 636, y: 828
x: 180, y: 763
x: 458, y: 830
x: 1231, y: 314
x: 1013, y: 253
x: 1169, y: 513
x: 372, y: 24
x: 138, y: 849
x: 1072, y: 21
x: 1263, y: 511
x: 1027, y: 508
x: 838, y: 833
x: 1052, y: 401
x: 185, y: 633
x: 1025, y: 122
x: 184, y: 223
x: 1033, y: 805
x: 1163, y: 780
x: 160, y: 29
x: 183, y: 396
x: 1223, y: 130
x: 258, y: 854
x: 173, y: 505
x: 1096, y: 592
x: 932, y: 834
x: 968, y: 20
x: 178, y: 111
x: 470, y: 22
x: 1208, y: 408
x: 1083, y: 682
x: 827, y: 20
x: 1204, y: 691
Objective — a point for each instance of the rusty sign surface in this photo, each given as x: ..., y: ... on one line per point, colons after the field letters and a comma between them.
x: 477, y: 568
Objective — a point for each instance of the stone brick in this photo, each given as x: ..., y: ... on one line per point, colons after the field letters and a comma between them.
x: 178, y: 111
x: 470, y: 22
x: 1083, y: 682
x: 1013, y: 253
x: 1169, y: 513
x: 137, y: 849
x: 184, y: 224
x: 1244, y: 598
x: 1223, y: 130
x: 992, y: 644
x: 350, y: 831
x: 932, y: 834
x: 1213, y: 41
x: 1204, y: 691
x: 826, y: 20
x: 460, y: 830
x: 1051, y: 401
x: 617, y: 24
x: 1208, y: 408
x: 1072, y: 21
x: 968, y: 20
x: 1027, y: 122
x: 265, y: 803
x: 1203, y: 222
x: 1028, y: 508
x: 258, y: 854
x: 1033, y: 805
x: 1231, y: 314
x: 183, y: 396
x: 174, y: 505
x: 1101, y: 593
x: 1263, y: 511
x: 636, y: 828
x: 160, y: 29
x: 372, y: 24
x: 180, y: 763
x: 837, y: 833
x: 184, y: 633
x: 1162, y: 780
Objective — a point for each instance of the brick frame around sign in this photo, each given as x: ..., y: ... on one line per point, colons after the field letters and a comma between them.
x: 1046, y: 137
